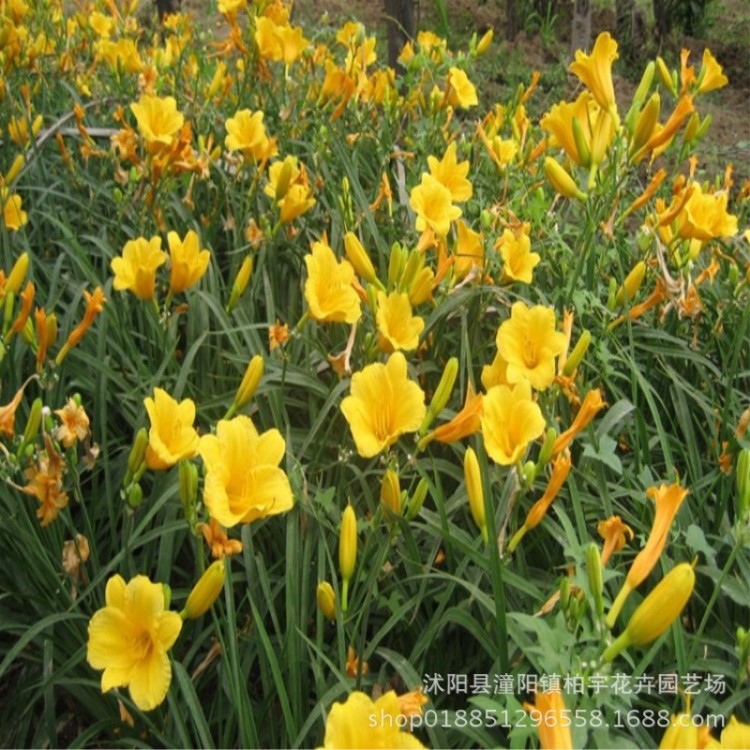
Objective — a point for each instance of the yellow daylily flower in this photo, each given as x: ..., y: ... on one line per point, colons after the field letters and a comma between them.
x: 510, y: 421
x: 172, y: 436
x: 12, y: 215
x: 518, y: 260
x: 383, y: 405
x: 469, y: 252
x: 452, y: 174
x: 711, y: 76
x: 349, y: 724
x: 135, y: 269
x: 129, y: 639
x: 246, y: 133
x: 398, y: 328
x: 158, y: 119
x: 330, y: 295
x: 188, y: 262
x: 529, y: 344
x: 432, y: 202
x: 243, y: 479
x: 595, y: 71
x: 461, y: 93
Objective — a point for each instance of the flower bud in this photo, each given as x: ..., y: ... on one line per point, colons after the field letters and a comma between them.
x: 565, y: 593
x: 390, y: 492
x: 413, y: 265
x: 442, y: 394
x: 704, y: 126
x: 250, y: 381
x: 285, y: 177
x: 657, y: 611
x: 485, y: 41
x: 742, y: 477
x: 32, y: 424
x: 347, y: 552
x: 395, y: 264
x: 584, y: 152
x: 18, y: 273
x: 626, y: 293
x: 691, y: 128
x: 240, y: 282
x: 640, y: 93
x: 645, y: 123
x: 138, y: 451
x: 358, y: 257
x: 561, y: 181
x: 578, y: 353
x: 10, y: 303
x: 474, y: 491
x: 594, y: 575
x: 546, y: 451
x: 15, y: 169
x: 417, y: 499
x: 51, y: 325
x: 421, y: 289
x: 326, y: 600
x: 188, y: 481
x: 665, y: 76
x: 205, y: 592
x: 135, y: 496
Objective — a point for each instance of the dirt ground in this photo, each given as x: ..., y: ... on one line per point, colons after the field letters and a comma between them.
x: 728, y: 139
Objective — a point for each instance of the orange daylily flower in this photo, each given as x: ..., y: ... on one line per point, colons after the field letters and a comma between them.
x: 467, y: 422
x: 46, y: 483
x: 554, y: 733
x: 8, y: 411
x: 615, y: 534
x: 560, y: 470
x: 592, y: 404
x: 216, y: 538
x: 668, y: 499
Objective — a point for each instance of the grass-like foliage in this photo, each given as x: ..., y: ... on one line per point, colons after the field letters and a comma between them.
x: 322, y: 384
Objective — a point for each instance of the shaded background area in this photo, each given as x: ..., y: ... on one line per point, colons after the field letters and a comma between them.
x: 543, y: 42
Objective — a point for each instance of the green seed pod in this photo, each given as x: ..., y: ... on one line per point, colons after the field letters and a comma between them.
x: 417, y: 499
x: 135, y: 495
x: 743, y: 485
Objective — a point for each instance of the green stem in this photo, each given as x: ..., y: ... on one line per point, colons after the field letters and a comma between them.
x: 717, y: 589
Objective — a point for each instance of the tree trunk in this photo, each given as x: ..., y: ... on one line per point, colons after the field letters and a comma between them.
x: 165, y: 7
x: 511, y: 19
x: 580, y: 35
x: 400, y: 23
x: 662, y: 21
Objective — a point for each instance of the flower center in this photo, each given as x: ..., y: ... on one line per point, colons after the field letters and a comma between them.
x: 530, y: 358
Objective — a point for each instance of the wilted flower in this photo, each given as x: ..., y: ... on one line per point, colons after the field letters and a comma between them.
x: 243, y: 479
x: 615, y: 534
x: 529, y: 344
x: 383, y: 405
x: 129, y: 639
x: 330, y: 296
x: 216, y: 538
x: 135, y: 270
x: 74, y: 423
x: 510, y: 421
x: 172, y: 436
